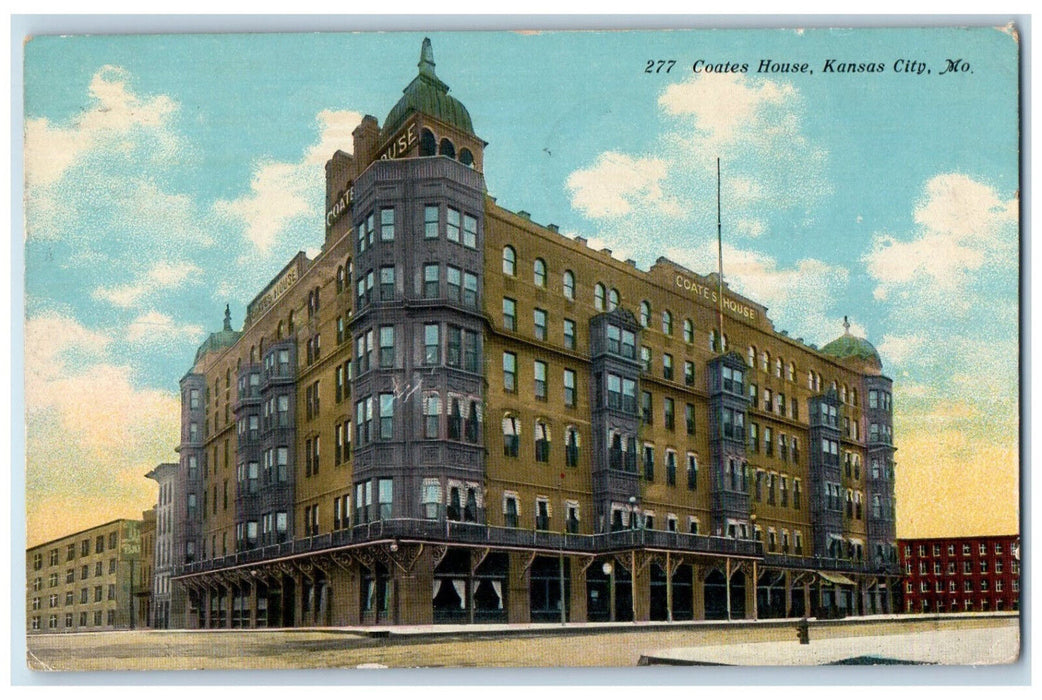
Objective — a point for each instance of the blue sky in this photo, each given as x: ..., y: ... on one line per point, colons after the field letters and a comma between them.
x: 169, y: 175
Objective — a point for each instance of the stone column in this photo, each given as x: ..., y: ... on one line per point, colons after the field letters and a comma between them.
x: 413, y: 593
x: 787, y: 582
x: 752, y: 585
x: 698, y: 592
x: 577, y: 600
x: 640, y: 579
x: 518, y: 602
x: 252, y: 622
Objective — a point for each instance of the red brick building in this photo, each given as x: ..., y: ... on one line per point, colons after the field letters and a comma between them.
x: 961, y: 574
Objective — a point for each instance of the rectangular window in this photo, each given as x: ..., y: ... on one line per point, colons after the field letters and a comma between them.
x: 569, y: 387
x: 668, y: 412
x: 689, y: 373
x: 509, y: 372
x: 470, y: 289
x: 387, y: 224
x: 430, y: 221
x: 431, y: 281
x: 539, y: 373
x: 569, y: 334
x: 539, y: 323
x: 386, y: 416
x: 649, y: 463
x: 453, y: 282
x: 452, y: 347
x: 647, y: 407
x: 645, y: 358
x: 689, y: 418
x: 509, y: 314
x: 431, y: 416
x: 384, y: 498
x: 671, y: 468
x: 386, y: 347
x: 667, y: 366
x: 470, y: 231
x: 431, y: 344
x: 386, y: 283
x: 452, y: 226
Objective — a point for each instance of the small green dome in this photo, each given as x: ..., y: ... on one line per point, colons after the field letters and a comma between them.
x: 850, y: 346
x: 428, y: 94
x: 223, y: 338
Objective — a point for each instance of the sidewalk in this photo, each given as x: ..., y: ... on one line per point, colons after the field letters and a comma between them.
x: 982, y: 646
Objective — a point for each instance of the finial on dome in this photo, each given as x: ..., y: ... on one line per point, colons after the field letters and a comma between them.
x: 227, y: 317
x: 846, y: 325
x: 426, y: 64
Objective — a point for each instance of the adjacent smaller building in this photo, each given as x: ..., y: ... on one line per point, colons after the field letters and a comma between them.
x: 162, y: 552
x: 961, y: 574
x: 85, y: 581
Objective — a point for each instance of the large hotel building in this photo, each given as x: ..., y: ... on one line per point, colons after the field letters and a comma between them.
x: 455, y: 414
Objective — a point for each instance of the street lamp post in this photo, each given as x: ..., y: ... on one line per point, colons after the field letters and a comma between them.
x: 634, y: 523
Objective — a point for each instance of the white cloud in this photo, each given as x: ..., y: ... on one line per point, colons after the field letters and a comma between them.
x: 962, y: 226
x: 899, y: 349
x: 91, y: 432
x: 155, y: 328
x: 282, y: 192
x: 617, y: 184
x: 723, y: 107
x: 161, y: 276
x: 115, y: 111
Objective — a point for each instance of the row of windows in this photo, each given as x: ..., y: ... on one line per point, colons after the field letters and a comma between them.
x: 53, y: 558
x: 458, y: 418
x: 950, y: 568
x: 272, y: 529
x: 52, y: 621
x: 967, y: 605
x: 768, y: 485
x: 788, y: 446
x: 772, y: 542
x: 982, y: 549
x: 967, y: 586
x: 461, y: 350
x: 53, y: 601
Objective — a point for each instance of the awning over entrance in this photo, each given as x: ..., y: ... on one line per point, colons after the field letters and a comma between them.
x: 839, y: 579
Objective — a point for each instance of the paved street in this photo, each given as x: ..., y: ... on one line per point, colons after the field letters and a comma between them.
x: 502, y: 645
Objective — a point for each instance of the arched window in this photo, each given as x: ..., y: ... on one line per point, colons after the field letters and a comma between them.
x: 810, y: 380
x: 843, y: 393
x: 712, y: 340
x: 750, y: 357
x: 311, y: 304
x: 511, y: 435
x: 667, y: 323
x: 791, y: 374
x: 509, y: 261
x: 613, y: 299
x: 853, y: 396
x: 290, y: 325
x: 645, y: 314
x: 466, y: 157
x: 723, y: 343
x: 428, y: 144
x: 339, y: 279
x: 539, y: 272
x: 542, y: 441
x: 765, y: 361
x: 689, y: 331
x: 446, y: 148
x: 253, y: 348
x: 571, y: 446
x: 568, y: 281
x: 777, y: 367
x: 598, y: 297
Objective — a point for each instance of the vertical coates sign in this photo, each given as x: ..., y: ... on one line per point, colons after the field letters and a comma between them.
x: 398, y: 146
x: 702, y: 291
x: 340, y: 206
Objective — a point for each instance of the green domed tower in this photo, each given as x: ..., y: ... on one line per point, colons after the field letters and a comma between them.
x: 851, y: 347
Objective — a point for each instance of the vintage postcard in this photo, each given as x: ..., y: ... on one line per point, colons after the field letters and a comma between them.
x: 522, y: 348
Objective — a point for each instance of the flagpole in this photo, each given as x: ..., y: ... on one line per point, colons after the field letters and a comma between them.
x: 720, y: 266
